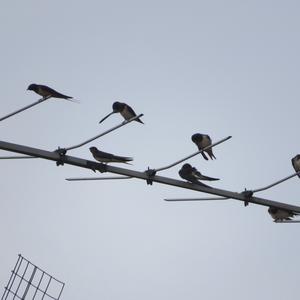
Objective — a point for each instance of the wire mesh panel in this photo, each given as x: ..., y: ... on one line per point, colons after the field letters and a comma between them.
x: 27, y: 281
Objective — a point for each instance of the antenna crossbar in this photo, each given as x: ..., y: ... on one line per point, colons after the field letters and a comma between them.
x: 83, y: 163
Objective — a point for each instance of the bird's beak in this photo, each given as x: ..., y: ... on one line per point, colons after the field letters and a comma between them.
x: 107, y: 116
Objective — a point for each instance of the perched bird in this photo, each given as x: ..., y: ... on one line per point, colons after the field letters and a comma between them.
x: 46, y: 92
x: 296, y: 163
x: 191, y: 174
x: 279, y: 214
x: 202, y: 141
x: 105, y: 157
x: 125, y: 110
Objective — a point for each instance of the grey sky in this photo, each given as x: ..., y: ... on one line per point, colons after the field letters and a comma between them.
x: 217, y: 67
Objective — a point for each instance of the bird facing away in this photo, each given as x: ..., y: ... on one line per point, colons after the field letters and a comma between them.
x: 46, y: 92
x: 191, y: 174
x: 279, y: 214
x: 105, y: 157
x: 296, y: 163
x: 125, y: 110
x: 202, y: 141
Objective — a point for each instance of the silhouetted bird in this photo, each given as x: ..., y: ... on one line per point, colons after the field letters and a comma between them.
x: 191, y: 174
x: 47, y: 92
x: 105, y: 157
x: 279, y: 214
x: 202, y: 141
x: 296, y: 163
x: 125, y: 110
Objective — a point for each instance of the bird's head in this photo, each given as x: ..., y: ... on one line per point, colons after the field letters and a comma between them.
x: 297, y: 157
x: 197, y: 137
x: 32, y: 87
x: 272, y: 210
x: 93, y: 149
x: 118, y: 107
x: 186, y: 167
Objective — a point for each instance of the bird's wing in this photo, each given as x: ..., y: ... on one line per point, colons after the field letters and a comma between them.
x: 112, y: 156
x: 103, y: 154
x: 196, y: 173
x: 191, y: 177
x: 54, y: 93
x: 122, y: 158
x: 203, y: 177
x: 199, y: 176
x: 130, y: 110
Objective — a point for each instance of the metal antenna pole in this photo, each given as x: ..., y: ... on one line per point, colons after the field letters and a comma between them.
x: 22, y: 277
x: 16, y: 157
x: 45, y: 291
x: 196, y: 199
x: 192, y: 155
x: 12, y: 277
x: 95, y: 166
x: 29, y: 283
x: 275, y: 183
x: 83, y: 143
x: 24, y: 108
x: 63, y: 285
x: 37, y: 288
x: 287, y: 221
x: 104, y: 133
x: 24, y: 286
x: 97, y: 178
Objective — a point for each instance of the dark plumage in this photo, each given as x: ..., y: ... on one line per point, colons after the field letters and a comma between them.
x: 279, y: 214
x: 202, y: 141
x: 47, y: 92
x: 105, y: 157
x: 125, y: 110
x: 191, y: 174
x: 296, y: 163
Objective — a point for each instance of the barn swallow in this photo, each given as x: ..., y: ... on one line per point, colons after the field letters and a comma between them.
x: 125, y: 110
x: 202, y: 141
x: 279, y: 214
x: 296, y: 163
x: 105, y: 157
x: 46, y: 92
x: 191, y: 174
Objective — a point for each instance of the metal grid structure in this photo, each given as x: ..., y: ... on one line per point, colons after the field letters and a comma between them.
x: 28, y: 281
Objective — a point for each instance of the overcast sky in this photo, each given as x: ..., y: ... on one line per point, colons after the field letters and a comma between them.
x: 216, y: 67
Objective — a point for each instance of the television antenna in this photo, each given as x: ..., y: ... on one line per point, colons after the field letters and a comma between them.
x: 280, y: 212
x: 28, y: 281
